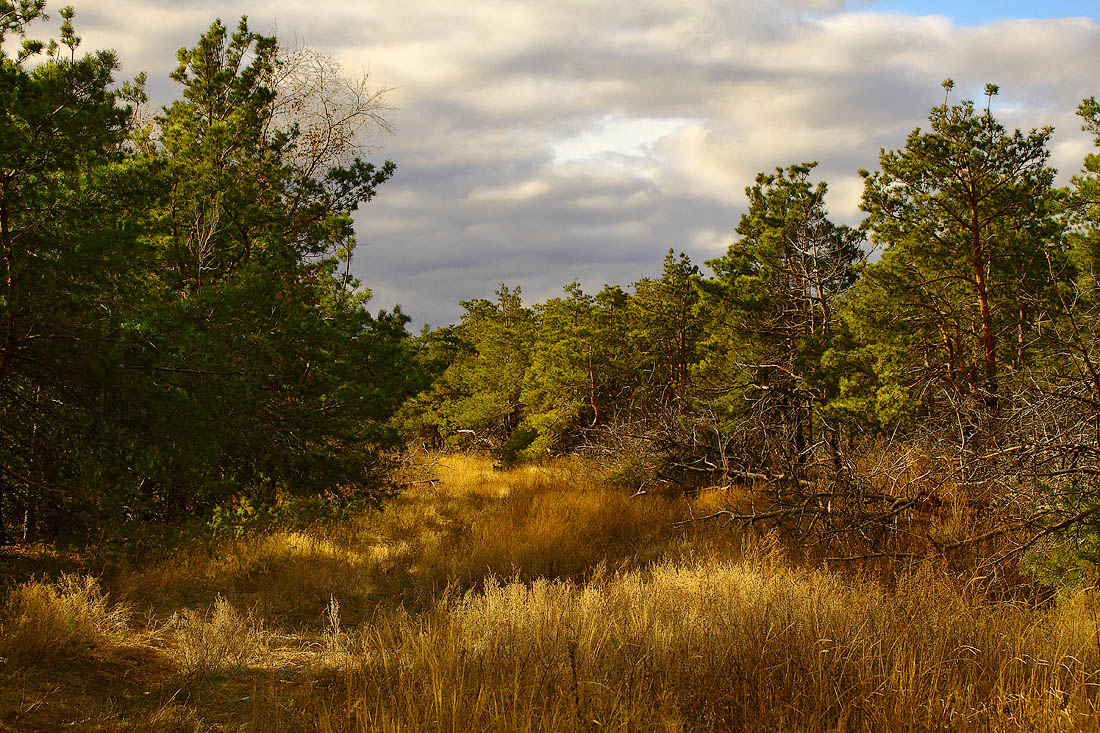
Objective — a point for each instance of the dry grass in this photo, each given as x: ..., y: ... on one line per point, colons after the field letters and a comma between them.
x: 751, y: 644
x: 536, y: 599
x: 216, y: 642
x: 45, y: 622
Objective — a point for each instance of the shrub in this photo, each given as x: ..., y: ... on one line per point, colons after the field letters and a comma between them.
x: 217, y: 642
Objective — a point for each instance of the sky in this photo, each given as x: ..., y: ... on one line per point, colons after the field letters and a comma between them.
x: 542, y: 141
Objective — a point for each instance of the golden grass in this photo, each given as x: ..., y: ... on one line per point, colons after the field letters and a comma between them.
x: 216, y: 642
x: 54, y: 621
x: 751, y: 644
x: 536, y: 599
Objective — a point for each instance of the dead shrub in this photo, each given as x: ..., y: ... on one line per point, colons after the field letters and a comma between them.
x: 218, y: 642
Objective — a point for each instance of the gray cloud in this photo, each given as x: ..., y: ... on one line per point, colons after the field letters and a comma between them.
x: 489, y: 93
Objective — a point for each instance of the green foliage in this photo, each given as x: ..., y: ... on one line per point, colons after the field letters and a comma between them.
x: 1071, y: 556
x: 665, y: 327
x: 175, y: 329
x: 254, y: 323
x: 69, y: 269
x: 518, y: 445
x: 1085, y: 208
x: 530, y: 382
x: 475, y: 401
x: 580, y: 367
x: 966, y: 216
x: 241, y: 516
x: 772, y: 306
x: 630, y: 472
x: 558, y: 389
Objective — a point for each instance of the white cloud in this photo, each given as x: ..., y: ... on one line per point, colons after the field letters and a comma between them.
x: 614, y: 135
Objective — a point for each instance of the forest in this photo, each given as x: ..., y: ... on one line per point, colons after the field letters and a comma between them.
x: 857, y: 427
x: 941, y: 352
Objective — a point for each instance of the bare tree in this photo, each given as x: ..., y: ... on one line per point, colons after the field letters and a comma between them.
x: 335, y: 113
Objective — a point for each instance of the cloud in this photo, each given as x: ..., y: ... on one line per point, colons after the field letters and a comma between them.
x: 540, y: 142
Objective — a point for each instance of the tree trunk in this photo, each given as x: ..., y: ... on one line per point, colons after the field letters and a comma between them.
x: 3, y: 506
x: 990, y: 388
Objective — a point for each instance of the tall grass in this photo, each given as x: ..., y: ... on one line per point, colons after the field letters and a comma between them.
x: 751, y: 644
x: 220, y: 641
x: 50, y: 622
x: 538, y: 599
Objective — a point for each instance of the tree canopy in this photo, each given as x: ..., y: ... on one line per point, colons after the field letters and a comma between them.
x: 178, y: 329
x: 957, y: 321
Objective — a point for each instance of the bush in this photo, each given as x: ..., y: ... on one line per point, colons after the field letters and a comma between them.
x: 512, y: 450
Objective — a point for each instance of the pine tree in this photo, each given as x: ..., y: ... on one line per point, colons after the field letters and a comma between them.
x: 69, y: 270
x: 966, y: 217
x: 772, y: 306
x: 255, y: 324
x: 665, y: 327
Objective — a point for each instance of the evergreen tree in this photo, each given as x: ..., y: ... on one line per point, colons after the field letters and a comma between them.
x: 70, y: 271
x: 476, y: 401
x: 772, y: 309
x: 559, y: 387
x: 1085, y: 208
x: 175, y: 329
x: 254, y: 327
x: 578, y: 367
x: 966, y: 217
x: 665, y: 327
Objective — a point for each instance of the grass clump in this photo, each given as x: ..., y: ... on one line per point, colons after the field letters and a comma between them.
x: 217, y: 642
x: 49, y: 622
x: 746, y: 644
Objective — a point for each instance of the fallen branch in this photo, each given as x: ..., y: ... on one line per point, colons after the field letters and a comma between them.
x: 1046, y: 532
x: 873, y: 556
x: 750, y: 518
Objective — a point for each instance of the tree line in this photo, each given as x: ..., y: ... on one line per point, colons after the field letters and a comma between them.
x: 181, y: 337
x: 968, y: 343
x: 179, y: 330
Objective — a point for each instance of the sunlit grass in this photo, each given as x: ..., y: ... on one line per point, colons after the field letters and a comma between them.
x: 536, y: 599
x: 54, y: 622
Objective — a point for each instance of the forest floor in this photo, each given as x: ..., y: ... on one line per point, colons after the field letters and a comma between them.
x: 531, y: 599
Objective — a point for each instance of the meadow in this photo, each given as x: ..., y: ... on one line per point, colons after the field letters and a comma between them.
x: 535, y: 598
